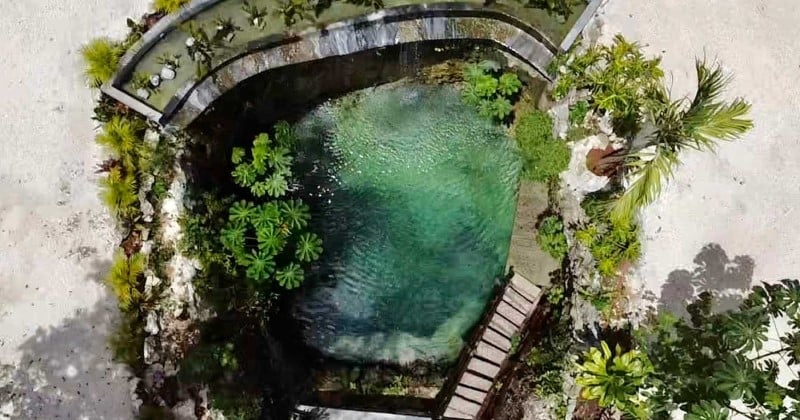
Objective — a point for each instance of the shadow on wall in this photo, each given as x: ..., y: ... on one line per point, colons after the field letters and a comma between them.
x: 714, y: 272
x: 67, y: 372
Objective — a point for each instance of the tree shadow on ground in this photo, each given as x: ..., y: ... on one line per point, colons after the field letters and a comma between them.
x: 727, y: 279
x: 67, y: 372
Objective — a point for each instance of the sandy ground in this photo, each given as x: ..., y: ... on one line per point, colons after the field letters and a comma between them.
x: 727, y: 220
x: 56, y: 239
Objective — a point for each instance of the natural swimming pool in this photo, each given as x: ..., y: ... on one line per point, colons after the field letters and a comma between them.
x: 415, y: 200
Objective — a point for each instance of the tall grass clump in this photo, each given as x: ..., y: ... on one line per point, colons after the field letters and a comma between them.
x: 101, y: 57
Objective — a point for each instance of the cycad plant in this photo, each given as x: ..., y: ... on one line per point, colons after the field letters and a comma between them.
x: 122, y: 137
x: 123, y: 278
x: 118, y: 192
x: 101, y: 57
x: 679, y: 125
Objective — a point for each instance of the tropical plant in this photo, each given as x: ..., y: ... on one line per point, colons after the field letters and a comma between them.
x: 200, y: 47
x: 680, y: 125
x: 101, y: 57
x: 490, y: 91
x: 543, y: 157
x: 123, y: 278
x: 256, y: 16
x: 169, y: 6
x: 172, y: 61
x: 614, y: 380
x: 118, y: 193
x: 578, y: 112
x: 618, y: 76
x: 267, y: 240
x: 293, y: 11
x: 550, y: 235
x: 611, y: 243
x: 225, y: 30
x: 705, y: 363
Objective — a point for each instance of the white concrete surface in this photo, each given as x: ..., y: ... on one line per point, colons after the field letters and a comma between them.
x: 56, y: 240
x: 744, y: 197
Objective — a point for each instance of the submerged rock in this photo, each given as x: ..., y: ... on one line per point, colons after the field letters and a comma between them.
x: 167, y: 73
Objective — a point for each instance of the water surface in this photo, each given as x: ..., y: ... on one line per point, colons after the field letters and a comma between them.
x: 416, y: 199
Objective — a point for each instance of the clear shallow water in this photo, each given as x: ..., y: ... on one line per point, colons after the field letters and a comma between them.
x: 416, y: 200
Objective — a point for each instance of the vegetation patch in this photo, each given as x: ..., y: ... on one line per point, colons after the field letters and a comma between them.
x: 544, y: 157
x: 489, y: 89
x: 551, y: 237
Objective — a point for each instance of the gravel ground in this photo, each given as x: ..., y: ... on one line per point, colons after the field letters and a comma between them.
x: 56, y: 239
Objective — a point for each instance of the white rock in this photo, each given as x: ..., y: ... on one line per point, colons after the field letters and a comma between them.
x: 578, y: 179
x: 150, y: 354
x: 155, y: 80
x: 151, y: 282
x: 190, y: 41
x: 151, y: 326
x: 184, y: 410
x: 560, y: 115
x: 142, y: 93
x: 167, y: 73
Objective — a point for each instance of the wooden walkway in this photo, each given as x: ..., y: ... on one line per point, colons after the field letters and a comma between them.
x: 491, y: 350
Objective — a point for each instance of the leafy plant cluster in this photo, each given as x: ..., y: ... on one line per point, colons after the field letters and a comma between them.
x: 169, y: 6
x: 490, y: 90
x: 543, y: 156
x: 614, y: 379
x: 611, y: 243
x: 630, y: 88
x: 703, y: 364
x: 268, y: 240
x: 550, y: 359
x: 550, y: 236
x: 560, y: 8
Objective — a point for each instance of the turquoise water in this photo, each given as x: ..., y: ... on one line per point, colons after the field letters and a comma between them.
x: 416, y: 198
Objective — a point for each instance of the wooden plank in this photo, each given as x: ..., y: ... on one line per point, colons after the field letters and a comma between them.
x: 521, y: 308
x: 485, y: 368
x: 520, y: 301
x: 476, y: 382
x: 452, y: 413
x: 470, y: 394
x: 497, y: 340
x: 524, y: 287
x: 511, y: 314
x: 489, y: 352
x: 464, y: 406
x: 503, y: 326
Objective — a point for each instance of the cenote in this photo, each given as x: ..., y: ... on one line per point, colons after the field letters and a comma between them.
x: 416, y: 209
x: 414, y: 196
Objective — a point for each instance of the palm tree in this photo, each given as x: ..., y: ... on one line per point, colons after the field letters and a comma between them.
x: 699, y: 126
x: 267, y: 214
x: 270, y: 240
x: 121, y: 137
x: 124, y: 277
x: 295, y: 213
x: 276, y: 185
x: 290, y: 276
x: 309, y: 247
x: 260, y: 266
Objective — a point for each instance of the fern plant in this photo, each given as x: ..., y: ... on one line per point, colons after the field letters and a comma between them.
x: 101, y: 57
x: 123, y: 278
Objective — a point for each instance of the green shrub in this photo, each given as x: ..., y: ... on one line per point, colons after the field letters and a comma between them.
x: 610, y: 242
x: 614, y: 379
x: 551, y: 237
x: 618, y: 76
x: 101, y: 57
x: 124, y: 278
x: 543, y: 156
x: 169, y: 6
x: 489, y: 90
x: 578, y: 112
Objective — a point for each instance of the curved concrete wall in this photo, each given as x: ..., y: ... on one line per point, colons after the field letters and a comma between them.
x: 384, y: 28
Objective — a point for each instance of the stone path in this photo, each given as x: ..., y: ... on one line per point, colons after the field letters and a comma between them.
x: 491, y: 351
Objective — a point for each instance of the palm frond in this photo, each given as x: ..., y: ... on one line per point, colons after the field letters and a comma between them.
x: 650, y: 177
